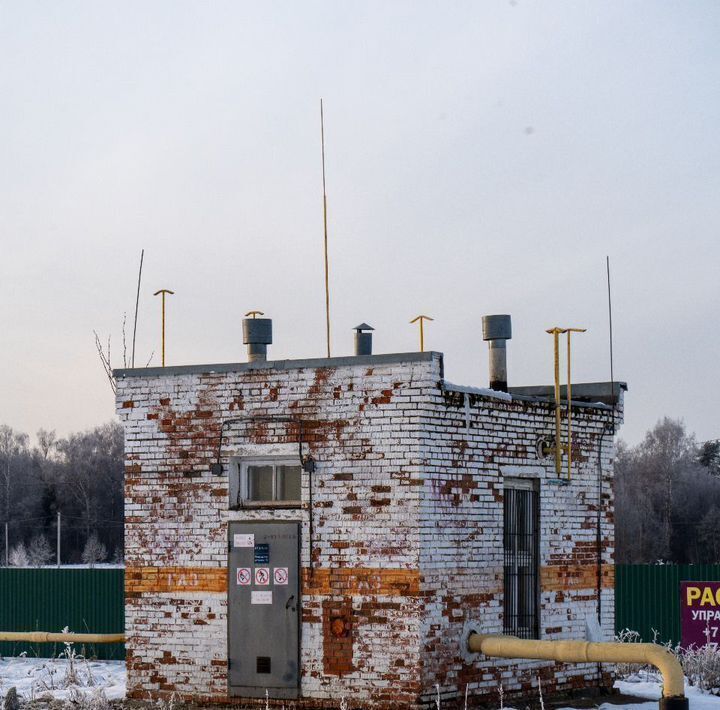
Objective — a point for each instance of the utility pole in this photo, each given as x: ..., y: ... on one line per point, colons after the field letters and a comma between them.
x: 58, y: 539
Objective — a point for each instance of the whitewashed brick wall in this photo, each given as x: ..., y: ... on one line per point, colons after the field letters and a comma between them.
x: 407, y: 494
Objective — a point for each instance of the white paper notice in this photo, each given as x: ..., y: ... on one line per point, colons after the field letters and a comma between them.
x: 261, y: 597
x: 244, y: 540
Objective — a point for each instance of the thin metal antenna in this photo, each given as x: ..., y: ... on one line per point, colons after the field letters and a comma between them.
x: 137, y: 303
x: 610, y: 323
x: 327, y: 268
x: 163, y: 291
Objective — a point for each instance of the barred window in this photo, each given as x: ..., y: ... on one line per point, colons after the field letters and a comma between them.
x: 521, y: 547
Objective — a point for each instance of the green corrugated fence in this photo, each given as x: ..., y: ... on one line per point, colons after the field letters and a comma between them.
x: 47, y: 599
x: 647, y: 597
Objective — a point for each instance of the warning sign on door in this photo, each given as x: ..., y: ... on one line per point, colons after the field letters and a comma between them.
x: 280, y: 575
x: 244, y: 576
x: 261, y: 597
x: 242, y: 540
x: 262, y: 576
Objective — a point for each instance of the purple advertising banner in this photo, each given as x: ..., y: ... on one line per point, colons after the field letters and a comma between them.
x: 700, y: 613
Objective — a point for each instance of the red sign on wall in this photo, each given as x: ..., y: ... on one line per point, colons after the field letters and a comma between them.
x: 700, y: 613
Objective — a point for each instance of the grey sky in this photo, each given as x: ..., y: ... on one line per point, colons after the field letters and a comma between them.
x: 482, y: 157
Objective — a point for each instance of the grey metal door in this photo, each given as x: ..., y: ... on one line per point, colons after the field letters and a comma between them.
x: 263, y: 609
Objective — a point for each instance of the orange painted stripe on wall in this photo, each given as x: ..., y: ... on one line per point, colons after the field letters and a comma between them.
x: 175, y: 579
x: 352, y: 581
x: 559, y: 578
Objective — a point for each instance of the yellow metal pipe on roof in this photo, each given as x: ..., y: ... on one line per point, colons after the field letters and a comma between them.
x: 585, y: 652
x: 47, y: 637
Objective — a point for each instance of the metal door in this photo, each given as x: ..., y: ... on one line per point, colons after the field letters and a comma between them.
x: 263, y: 609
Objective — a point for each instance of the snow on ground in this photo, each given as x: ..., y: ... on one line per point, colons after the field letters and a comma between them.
x: 57, y: 678
x: 645, y: 686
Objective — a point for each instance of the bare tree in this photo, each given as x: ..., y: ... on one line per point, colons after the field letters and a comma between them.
x: 19, y: 556
x: 39, y: 552
x: 662, y: 493
x: 80, y: 476
x: 92, y: 473
x: 105, y: 360
x: 12, y: 444
x: 94, y: 551
x: 709, y: 532
x: 668, y: 451
x: 709, y: 456
x: 47, y: 442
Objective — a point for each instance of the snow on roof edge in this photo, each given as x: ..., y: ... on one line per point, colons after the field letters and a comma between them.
x: 482, y: 391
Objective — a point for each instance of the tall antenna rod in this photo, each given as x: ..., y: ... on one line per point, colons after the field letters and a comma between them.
x: 137, y: 303
x: 327, y: 269
x: 612, y: 372
x: 163, y: 291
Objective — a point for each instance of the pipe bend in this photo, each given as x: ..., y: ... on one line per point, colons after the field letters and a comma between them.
x: 569, y: 651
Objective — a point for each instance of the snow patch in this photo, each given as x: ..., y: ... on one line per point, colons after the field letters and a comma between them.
x: 648, y: 685
x: 482, y: 391
x: 47, y: 678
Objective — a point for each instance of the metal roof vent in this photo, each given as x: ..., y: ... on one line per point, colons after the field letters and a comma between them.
x: 363, y: 339
x: 497, y: 330
x: 257, y: 335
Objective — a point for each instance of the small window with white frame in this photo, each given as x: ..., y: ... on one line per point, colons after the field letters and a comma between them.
x: 267, y: 482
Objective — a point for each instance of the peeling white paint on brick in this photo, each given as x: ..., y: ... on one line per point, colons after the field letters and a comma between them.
x: 409, y: 477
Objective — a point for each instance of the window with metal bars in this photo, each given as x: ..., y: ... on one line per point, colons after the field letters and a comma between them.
x: 521, y: 550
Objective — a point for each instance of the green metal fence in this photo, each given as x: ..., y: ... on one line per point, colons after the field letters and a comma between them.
x: 46, y: 599
x: 647, y: 600
x: 647, y: 597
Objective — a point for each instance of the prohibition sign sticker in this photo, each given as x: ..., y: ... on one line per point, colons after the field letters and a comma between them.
x: 243, y: 576
x: 262, y: 576
x: 280, y: 575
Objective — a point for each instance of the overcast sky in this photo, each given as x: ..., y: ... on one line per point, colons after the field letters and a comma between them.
x: 482, y: 157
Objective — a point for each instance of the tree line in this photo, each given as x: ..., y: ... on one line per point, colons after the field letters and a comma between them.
x: 79, y: 477
x: 667, y: 498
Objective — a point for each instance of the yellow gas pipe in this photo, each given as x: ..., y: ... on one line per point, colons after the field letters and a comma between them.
x: 588, y: 652
x: 47, y: 637
x: 559, y: 448
x: 555, y: 332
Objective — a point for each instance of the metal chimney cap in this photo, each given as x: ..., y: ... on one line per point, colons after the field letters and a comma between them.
x: 497, y: 327
x: 362, y: 327
x: 257, y: 331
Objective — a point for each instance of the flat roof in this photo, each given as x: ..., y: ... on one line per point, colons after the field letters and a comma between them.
x: 345, y: 361
x: 582, y: 392
x: 588, y: 394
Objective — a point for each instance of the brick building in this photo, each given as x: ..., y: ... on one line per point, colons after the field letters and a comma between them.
x: 334, y: 528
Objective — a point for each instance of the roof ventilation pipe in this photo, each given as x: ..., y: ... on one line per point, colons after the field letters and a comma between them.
x: 497, y: 330
x: 363, y: 339
x: 257, y: 335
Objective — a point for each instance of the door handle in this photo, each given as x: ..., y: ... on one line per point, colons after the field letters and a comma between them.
x: 289, y: 601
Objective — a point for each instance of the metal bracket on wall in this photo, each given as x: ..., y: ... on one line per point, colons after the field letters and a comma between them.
x: 307, y: 463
